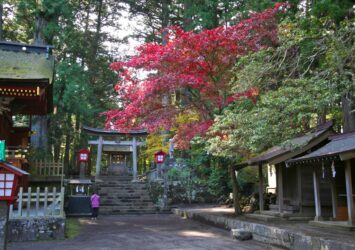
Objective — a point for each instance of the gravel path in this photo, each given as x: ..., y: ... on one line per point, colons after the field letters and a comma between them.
x: 141, y: 232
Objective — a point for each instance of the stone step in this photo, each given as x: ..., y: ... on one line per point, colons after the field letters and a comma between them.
x: 288, y: 208
x: 113, y: 207
x: 122, y: 196
x: 264, y: 217
x: 129, y: 211
x: 117, y: 202
x: 123, y: 201
x: 118, y: 188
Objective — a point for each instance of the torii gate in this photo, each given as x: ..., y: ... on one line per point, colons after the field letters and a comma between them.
x: 101, y: 133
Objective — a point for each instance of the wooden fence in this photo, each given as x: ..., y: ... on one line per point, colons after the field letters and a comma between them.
x: 46, y: 168
x: 38, y: 204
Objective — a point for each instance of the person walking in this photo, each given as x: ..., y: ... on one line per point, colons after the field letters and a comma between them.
x: 95, y: 204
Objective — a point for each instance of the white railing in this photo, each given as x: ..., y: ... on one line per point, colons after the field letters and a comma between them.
x: 38, y: 204
x: 46, y: 168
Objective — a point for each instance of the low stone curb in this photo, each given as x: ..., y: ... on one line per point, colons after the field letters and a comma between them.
x: 267, y: 234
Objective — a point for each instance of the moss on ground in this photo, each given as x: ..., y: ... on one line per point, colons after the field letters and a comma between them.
x: 72, y: 228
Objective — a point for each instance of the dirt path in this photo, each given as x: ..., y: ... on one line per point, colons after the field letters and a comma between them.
x: 144, y: 232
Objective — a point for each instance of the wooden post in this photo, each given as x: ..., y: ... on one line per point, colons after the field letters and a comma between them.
x: 54, y: 193
x: 317, y: 203
x: 28, y: 208
x: 37, y: 201
x: 280, y: 188
x: 334, y: 197
x: 261, y: 188
x: 11, y: 211
x: 62, y: 202
x: 299, y: 188
x: 134, y: 156
x: 45, y: 200
x: 349, y: 193
x: 98, y: 159
x: 20, y: 202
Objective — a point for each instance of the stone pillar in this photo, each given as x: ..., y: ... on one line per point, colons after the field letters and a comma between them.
x: 4, y: 216
x: 349, y: 193
x: 99, y: 156
x: 82, y: 171
x: 134, y: 156
x: 280, y: 190
x: 317, y: 203
x: 261, y: 188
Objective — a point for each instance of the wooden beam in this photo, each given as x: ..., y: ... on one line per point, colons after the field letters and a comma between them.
x: 280, y: 188
x: 347, y: 156
x: 349, y: 193
x: 317, y: 203
x: 261, y: 188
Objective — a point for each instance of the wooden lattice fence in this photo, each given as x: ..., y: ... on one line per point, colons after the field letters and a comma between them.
x: 38, y: 204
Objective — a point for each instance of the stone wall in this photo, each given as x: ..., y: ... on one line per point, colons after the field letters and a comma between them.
x: 268, y: 234
x: 35, y: 229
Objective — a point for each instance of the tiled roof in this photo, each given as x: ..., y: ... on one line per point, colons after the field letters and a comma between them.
x: 338, y: 144
x: 292, y: 144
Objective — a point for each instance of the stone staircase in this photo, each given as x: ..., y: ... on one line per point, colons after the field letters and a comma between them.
x: 119, y: 195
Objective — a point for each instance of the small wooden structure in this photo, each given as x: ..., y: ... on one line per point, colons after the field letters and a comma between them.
x: 110, y: 142
x: 334, y: 163
x: 294, y: 185
x: 26, y: 74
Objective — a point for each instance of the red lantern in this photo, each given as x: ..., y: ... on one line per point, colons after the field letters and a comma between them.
x: 9, y: 178
x: 83, y: 155
x: 159, y: 156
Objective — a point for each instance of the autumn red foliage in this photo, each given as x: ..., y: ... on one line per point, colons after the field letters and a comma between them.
x: 194, y: 67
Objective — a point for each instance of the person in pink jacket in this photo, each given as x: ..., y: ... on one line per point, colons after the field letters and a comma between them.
x: 95, y: 204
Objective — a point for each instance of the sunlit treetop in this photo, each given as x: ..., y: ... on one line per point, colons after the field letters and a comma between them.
x: 188, y: 76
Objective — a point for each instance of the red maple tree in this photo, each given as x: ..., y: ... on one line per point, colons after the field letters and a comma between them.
x: 196, y: 67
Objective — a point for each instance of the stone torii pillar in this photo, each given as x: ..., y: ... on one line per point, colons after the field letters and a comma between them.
x: 99, y: 157
x: 134, y: 156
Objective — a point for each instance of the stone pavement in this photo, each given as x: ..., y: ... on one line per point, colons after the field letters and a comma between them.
x: 145, y: 232
x: 286, y: 234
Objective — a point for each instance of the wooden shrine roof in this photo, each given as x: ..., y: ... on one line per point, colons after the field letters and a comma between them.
x: 23, y: 61
x: 107, y: 132
x: 13, y: 169
x: 342, y: 146
x: 26, y: 74
x: 292, y: 148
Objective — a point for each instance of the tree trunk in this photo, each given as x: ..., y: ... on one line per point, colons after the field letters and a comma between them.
x: 348, y: 114
x: 67, y: 146
x: 235, y: 189
x: 98, y: 29
x: 40, y: 139
x: 187, y: 16
x: 1, y: 22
